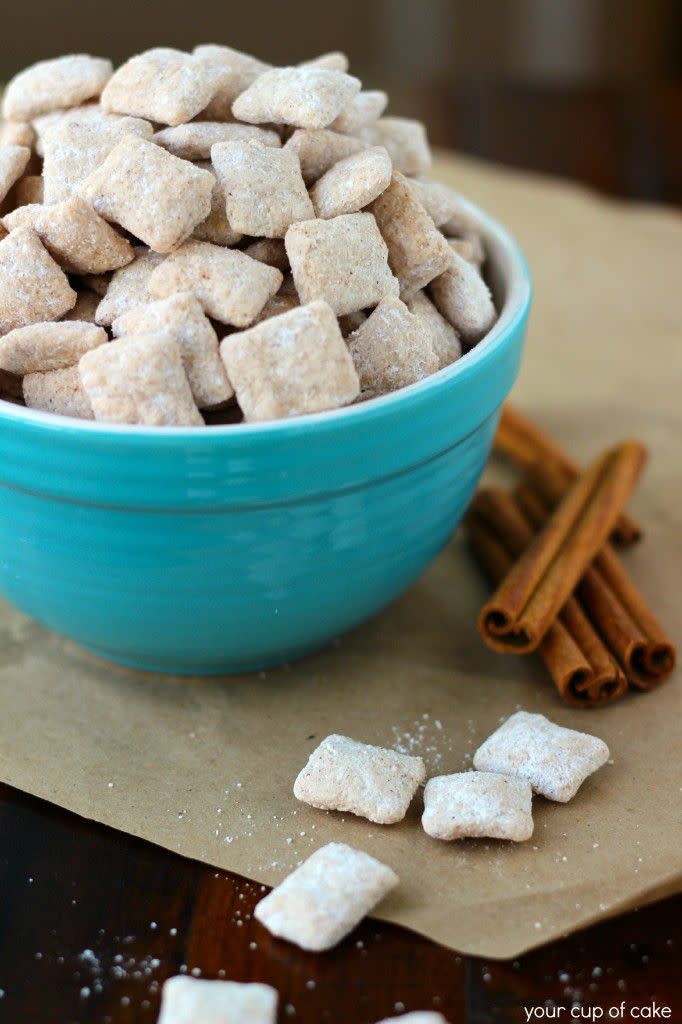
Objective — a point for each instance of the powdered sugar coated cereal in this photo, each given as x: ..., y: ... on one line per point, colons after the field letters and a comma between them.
x: 352, y: 184
x: 54, y: 84
x: 304, y: 97
x: 33, y: 287
x: 477, y: 805
x: 59, y: 392
x: 391, y: 349
x: 186, y: 1000
x: 462, y: 296
x: 40, y: 347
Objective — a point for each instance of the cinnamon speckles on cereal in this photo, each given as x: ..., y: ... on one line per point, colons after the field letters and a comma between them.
x: 13, y: 161
x: 392, y: 349
x: 405, y: 141
x: 33, y: 287
x: 464, y: 299
x: 352, y: 184
x: 54, y: 85
x: 194, y: 141
x: 127, y: 288
x: 478, y: 805
x: 40, y: 347
x: 304, y: 97
x: 59, y: 392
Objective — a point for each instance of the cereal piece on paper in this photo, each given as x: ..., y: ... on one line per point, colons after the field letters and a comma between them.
x: 41, y: 347
x: 372, y: 782
x: 343, y: 261
x: 194, y: 141
x: 335, y: 60
x: 32, y: 287
x: 182, y: 317
x: 352, y: 184
x: 478, y: 805
x: 127, y: 287
x: 139, y: 379
x: 323, y: 900
x: 231, y: 287
x: 444, y: 338
x: 391, y: 349
x: 17, y: 133
x: 74, y: 148
x: 291, y: 364
x: 417, y: 251
x: 264, y: 190
x: 470, y: 247
x: 555, y: 761
x: 53, y: 85
x: 27, y: 190
x: 154, y: 195
x: 79, y: 240
x: 405, y: 141
x: 162, y: 85
x: 363, y: 109
x: 305, y: 97
x: 86, y: 307
x: 319, y: 149
x: 270, y: 251
x: 186, y: 1000
x: 216, y: 228
x: 59, y: 392
x: 239, y: 71
x: 13, y: 161
x: 463, y: 297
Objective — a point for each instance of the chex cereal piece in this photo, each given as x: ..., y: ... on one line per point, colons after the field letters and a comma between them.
x: 416, y: 1017
x: 182, y: 317
x: 239, y: 71
x: 41, y: 347
x: 470, y: 247
x: 555, y: 761
x: 17, y: 133
x: 28, y: 189
x: 270, y: 251
x: 78, y: 239
x: 464, y: 299
x: 230, y: 286
x: 405, y: 141
x: 216, y: 228
x: 53, y: 85
x: 438, y: 200
x: 163, y: 85
x: 194, y: 141
x: 264, y: 189
x: 75, y: 148
x: 32, y: 286
x: 305, y: 97
x: 139, y: 379
x: 343, y: 261
x: 59, y: 392
x: 362, y: 110
x: 372, y: 782
x: 335, y: 60
x: 186, y: 1000
x: 326, y: 897
x: 318, y: 149
x: 13, y: 161
x: 417, y: 251
x: 290, y: 364
x: 478, y: 805
x: 154, y: 195
x: 391, y: 349
x: 127, y: 288
x: 444, y: 338
x: 86, y: 307
x: 352, y: 184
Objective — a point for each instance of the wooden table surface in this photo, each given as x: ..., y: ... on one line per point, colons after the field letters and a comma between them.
x: 92, y: 921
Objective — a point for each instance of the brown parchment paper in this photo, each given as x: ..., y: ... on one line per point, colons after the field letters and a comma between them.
x: 205, y: 767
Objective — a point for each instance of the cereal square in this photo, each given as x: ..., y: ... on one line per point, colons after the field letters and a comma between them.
x: 194, y: 141
x: 444, y: 338
x: 326, y: 897
x: 128, y: 287
x: 417, y: 251
x: 335, y: 60
x: 290, y: 364
x: 478, y: 805
x: 41, y: 347
x: 318, y: 149
x: 216, y: 228
x: 372, y: 782
x: 470, y: 247
x: 405, y: 141
x: 463, y: 297
x: 362, y: 110
x: 352, y: 184
x: 182, y: 317
x: 391, y: 349
x: 305, y: 97
x: 17, y: 133
x: 186, y: 1000
x: 53, y: 85
x: 139, y: 379
x: 343, y: 261
x: 13, y: 161
x: 239, y: 71
x: 78, y: 239
x: 555, y: 761
x: 162, y: 85
x: 154, y: 195
x: 230, y: 286
x: 264, y: 190
x: 32, y: 286
x: 59, y: 392
x: 439, y: 201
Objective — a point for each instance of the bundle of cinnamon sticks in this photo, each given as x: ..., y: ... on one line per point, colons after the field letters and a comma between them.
x: 550, y: 548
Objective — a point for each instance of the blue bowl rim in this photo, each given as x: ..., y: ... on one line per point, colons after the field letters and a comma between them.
x: 514, y: 310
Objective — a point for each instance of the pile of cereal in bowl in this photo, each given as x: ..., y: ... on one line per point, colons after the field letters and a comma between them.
x: 204, y: 238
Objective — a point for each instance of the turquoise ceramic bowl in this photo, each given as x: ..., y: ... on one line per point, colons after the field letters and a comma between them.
x: 239, y: 547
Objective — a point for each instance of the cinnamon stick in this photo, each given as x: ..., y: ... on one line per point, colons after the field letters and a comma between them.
x: 525, y: 444
x: 609, y: 594
x: 583, y: 672
x: 528, y: 600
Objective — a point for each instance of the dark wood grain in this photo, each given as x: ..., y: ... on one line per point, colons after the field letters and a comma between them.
x: 92, y: 921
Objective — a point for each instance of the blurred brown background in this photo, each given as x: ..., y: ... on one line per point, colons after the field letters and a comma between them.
x: 589, y: 89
